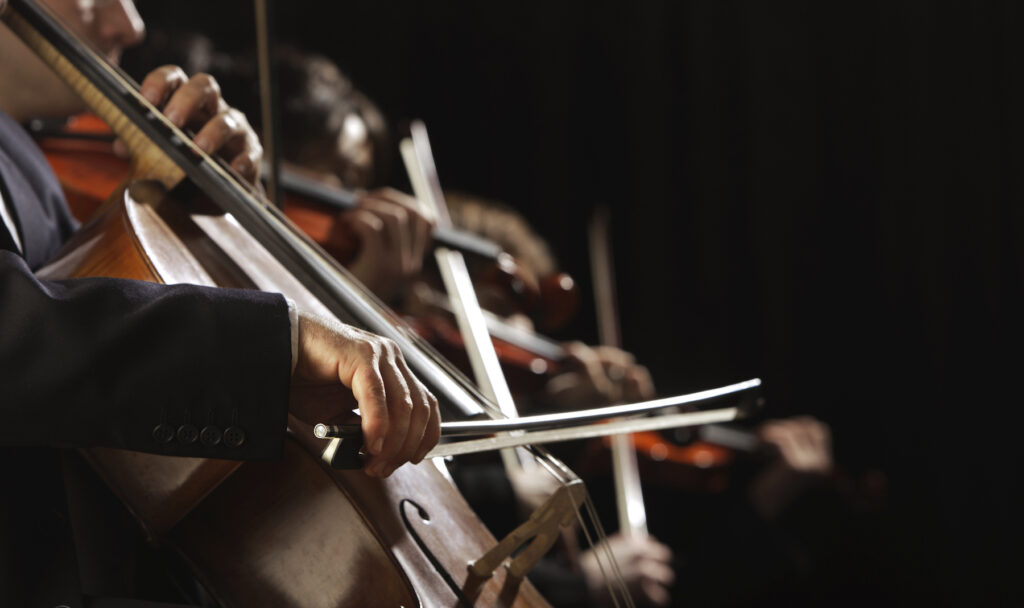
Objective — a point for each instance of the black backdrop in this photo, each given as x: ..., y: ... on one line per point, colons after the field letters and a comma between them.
x: 826, y: 195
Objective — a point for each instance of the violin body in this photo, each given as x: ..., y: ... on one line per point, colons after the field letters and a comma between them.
x: 288, y: 533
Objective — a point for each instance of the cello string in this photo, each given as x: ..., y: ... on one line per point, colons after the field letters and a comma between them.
x: 614, y: 583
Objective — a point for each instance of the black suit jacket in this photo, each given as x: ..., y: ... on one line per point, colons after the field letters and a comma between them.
x: 114, y: 363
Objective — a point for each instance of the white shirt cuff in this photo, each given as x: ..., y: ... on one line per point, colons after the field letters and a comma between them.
x: 293, y: 319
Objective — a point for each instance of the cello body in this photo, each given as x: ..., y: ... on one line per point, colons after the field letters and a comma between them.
x: 288, y: 533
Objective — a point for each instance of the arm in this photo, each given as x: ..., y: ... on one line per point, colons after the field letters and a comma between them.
x: 104, y: 362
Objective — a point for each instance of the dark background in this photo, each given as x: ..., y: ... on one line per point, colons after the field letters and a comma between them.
x: 823, y: 194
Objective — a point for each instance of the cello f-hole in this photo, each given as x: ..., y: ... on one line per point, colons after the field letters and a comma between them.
x: 423, y: 517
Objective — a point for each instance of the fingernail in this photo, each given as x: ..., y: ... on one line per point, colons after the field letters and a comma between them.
x: 377, y: 446
x: 175, y: 117
x: 203, y: 143
x: 149, y: 94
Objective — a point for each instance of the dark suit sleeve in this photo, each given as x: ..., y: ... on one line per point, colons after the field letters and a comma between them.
x: 140, y: 366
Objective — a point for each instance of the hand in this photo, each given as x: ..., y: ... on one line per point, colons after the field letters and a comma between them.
x: 646, y: 567
x: 336, y: 362
x: 805, y: 456
x: 599, y: 375
x: 394, y: 237
x: 804, y: 443
x: 195, y: 103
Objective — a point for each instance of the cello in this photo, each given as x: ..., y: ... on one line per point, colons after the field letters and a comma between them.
x: 320, y: 520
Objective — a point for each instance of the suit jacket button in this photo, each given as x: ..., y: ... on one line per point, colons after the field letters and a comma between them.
x: 210, y: 435
x: 163, y: 433
x: 188, y: 433
x: 234, y: 436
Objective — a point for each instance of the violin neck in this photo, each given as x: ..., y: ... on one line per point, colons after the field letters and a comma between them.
x: 343, y: 199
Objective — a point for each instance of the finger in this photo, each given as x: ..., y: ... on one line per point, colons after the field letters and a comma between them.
x: 616, y: 363
x: 432, y: 434
x: 614, y: 356
x: 369, y: 228
x: 615, y: 372
x: 770, y: 430
x: 159, y: 84
x: 219, y: 133
x: 805, y: 434
x: 571, y: 389
x: 422, y: 227
x: 400, y: 408
x: 658, y: 572
x: 654, y: 550
x: 411, y: 203
x: 593, y: 370
x: 638, y: 385
x: 248, y: 163
x: 816, y: 430
x: 432, y: 428
x: 795, y: 451
x: 195, y: 102
x: 229, y: 135
x: 420, y: 235
x: 655, y: 593
x: 421, y: 412
x: 370, y: 264
x: 369, y: 390
x: 397, y: 231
